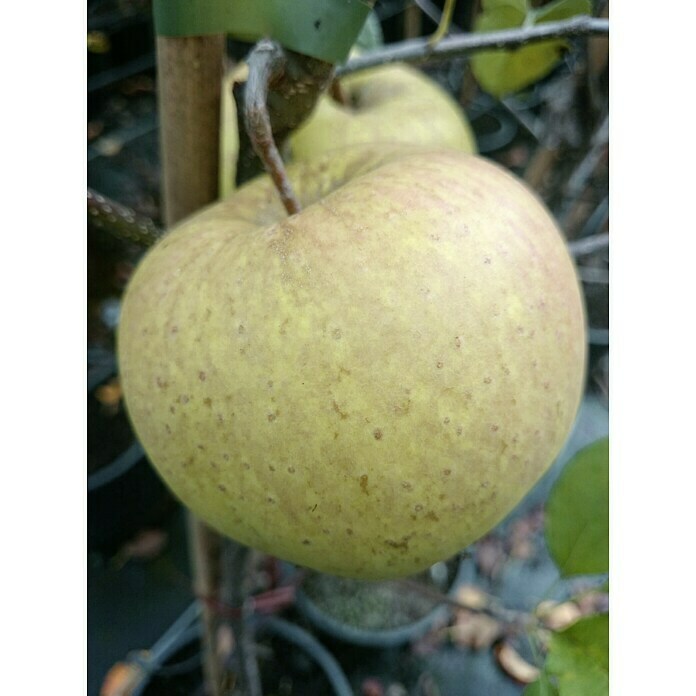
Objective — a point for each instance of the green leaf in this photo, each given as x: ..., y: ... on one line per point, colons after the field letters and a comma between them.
x: 579, y: 657
x: 541, y: 687
x: 520, y: 5
x: 501, y: 17
x: 323, y: 29
x: 371, y: 36
x: 502, y: 72
x: 505, y: 72
x: 562, y: 9
x: 577, y: 513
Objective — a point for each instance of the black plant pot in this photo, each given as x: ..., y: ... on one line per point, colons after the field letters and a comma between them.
x: 291, y: 661
x: 124, y: 493
x: 123, y: 498
x: 357, y: 609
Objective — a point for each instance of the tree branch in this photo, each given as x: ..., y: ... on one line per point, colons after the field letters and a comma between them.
x: 120, y: 221
x: 204, y: 550
x: 420, y: 51
x: 582, y: 173
x: 588, y: 245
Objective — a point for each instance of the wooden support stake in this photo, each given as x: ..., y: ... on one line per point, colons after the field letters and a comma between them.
x: 189, y: 75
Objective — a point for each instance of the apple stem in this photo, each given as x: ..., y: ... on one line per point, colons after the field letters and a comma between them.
x: 271, y: 67
x: 266, y: 65
x: 444, y: 25
x: 280, y: 93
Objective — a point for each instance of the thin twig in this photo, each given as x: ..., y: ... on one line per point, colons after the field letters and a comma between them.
x: 580, y: 183
x: 420, y: 51
x: 578, y: 179
x: 238, y: 607
x: 443, y: 26
x: 204, y: 549
x: 588, y: 245
x: 434, y: 13
x: 596, y: 219
x: 247, y: 647
x: 120, y: 221
x: 412, y: 21
x: 591, y: 274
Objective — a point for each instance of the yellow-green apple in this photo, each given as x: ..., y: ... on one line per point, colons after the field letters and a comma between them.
x: 370, y: 385
x: 388, y: 104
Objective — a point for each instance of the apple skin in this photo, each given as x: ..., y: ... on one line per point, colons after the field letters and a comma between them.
x: 391, y: 104
x: 369, y: 386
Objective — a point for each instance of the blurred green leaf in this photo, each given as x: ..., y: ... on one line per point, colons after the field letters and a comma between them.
x: 562, y: 9
x: 323, y: 29
x: 501, y: 17
x: 98, y: 42
x: 370, y: 36
x: 541, y: 687
x: 577, y: 513
x: 579, y: 657
x: 502, y: 72
x: 519, y: 5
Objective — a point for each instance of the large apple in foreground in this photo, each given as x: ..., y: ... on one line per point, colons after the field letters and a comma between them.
x: 368, y: 386
x: 388, y: 104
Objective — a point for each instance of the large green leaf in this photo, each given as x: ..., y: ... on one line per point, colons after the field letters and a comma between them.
x: 504, y: 16
x: 579, y: 657
x: 562, y: 9
x: 577, y: 513
x: 370, y: 36
x: 491, y: 5
x: 502, y: 72
x: 323, y: 29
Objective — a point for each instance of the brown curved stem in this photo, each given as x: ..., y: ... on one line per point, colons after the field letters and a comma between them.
x: 280, y: 93
x: 266, y: 64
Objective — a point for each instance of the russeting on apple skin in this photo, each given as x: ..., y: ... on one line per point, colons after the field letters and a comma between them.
x: 366, y: 387
x: 388, y: 104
